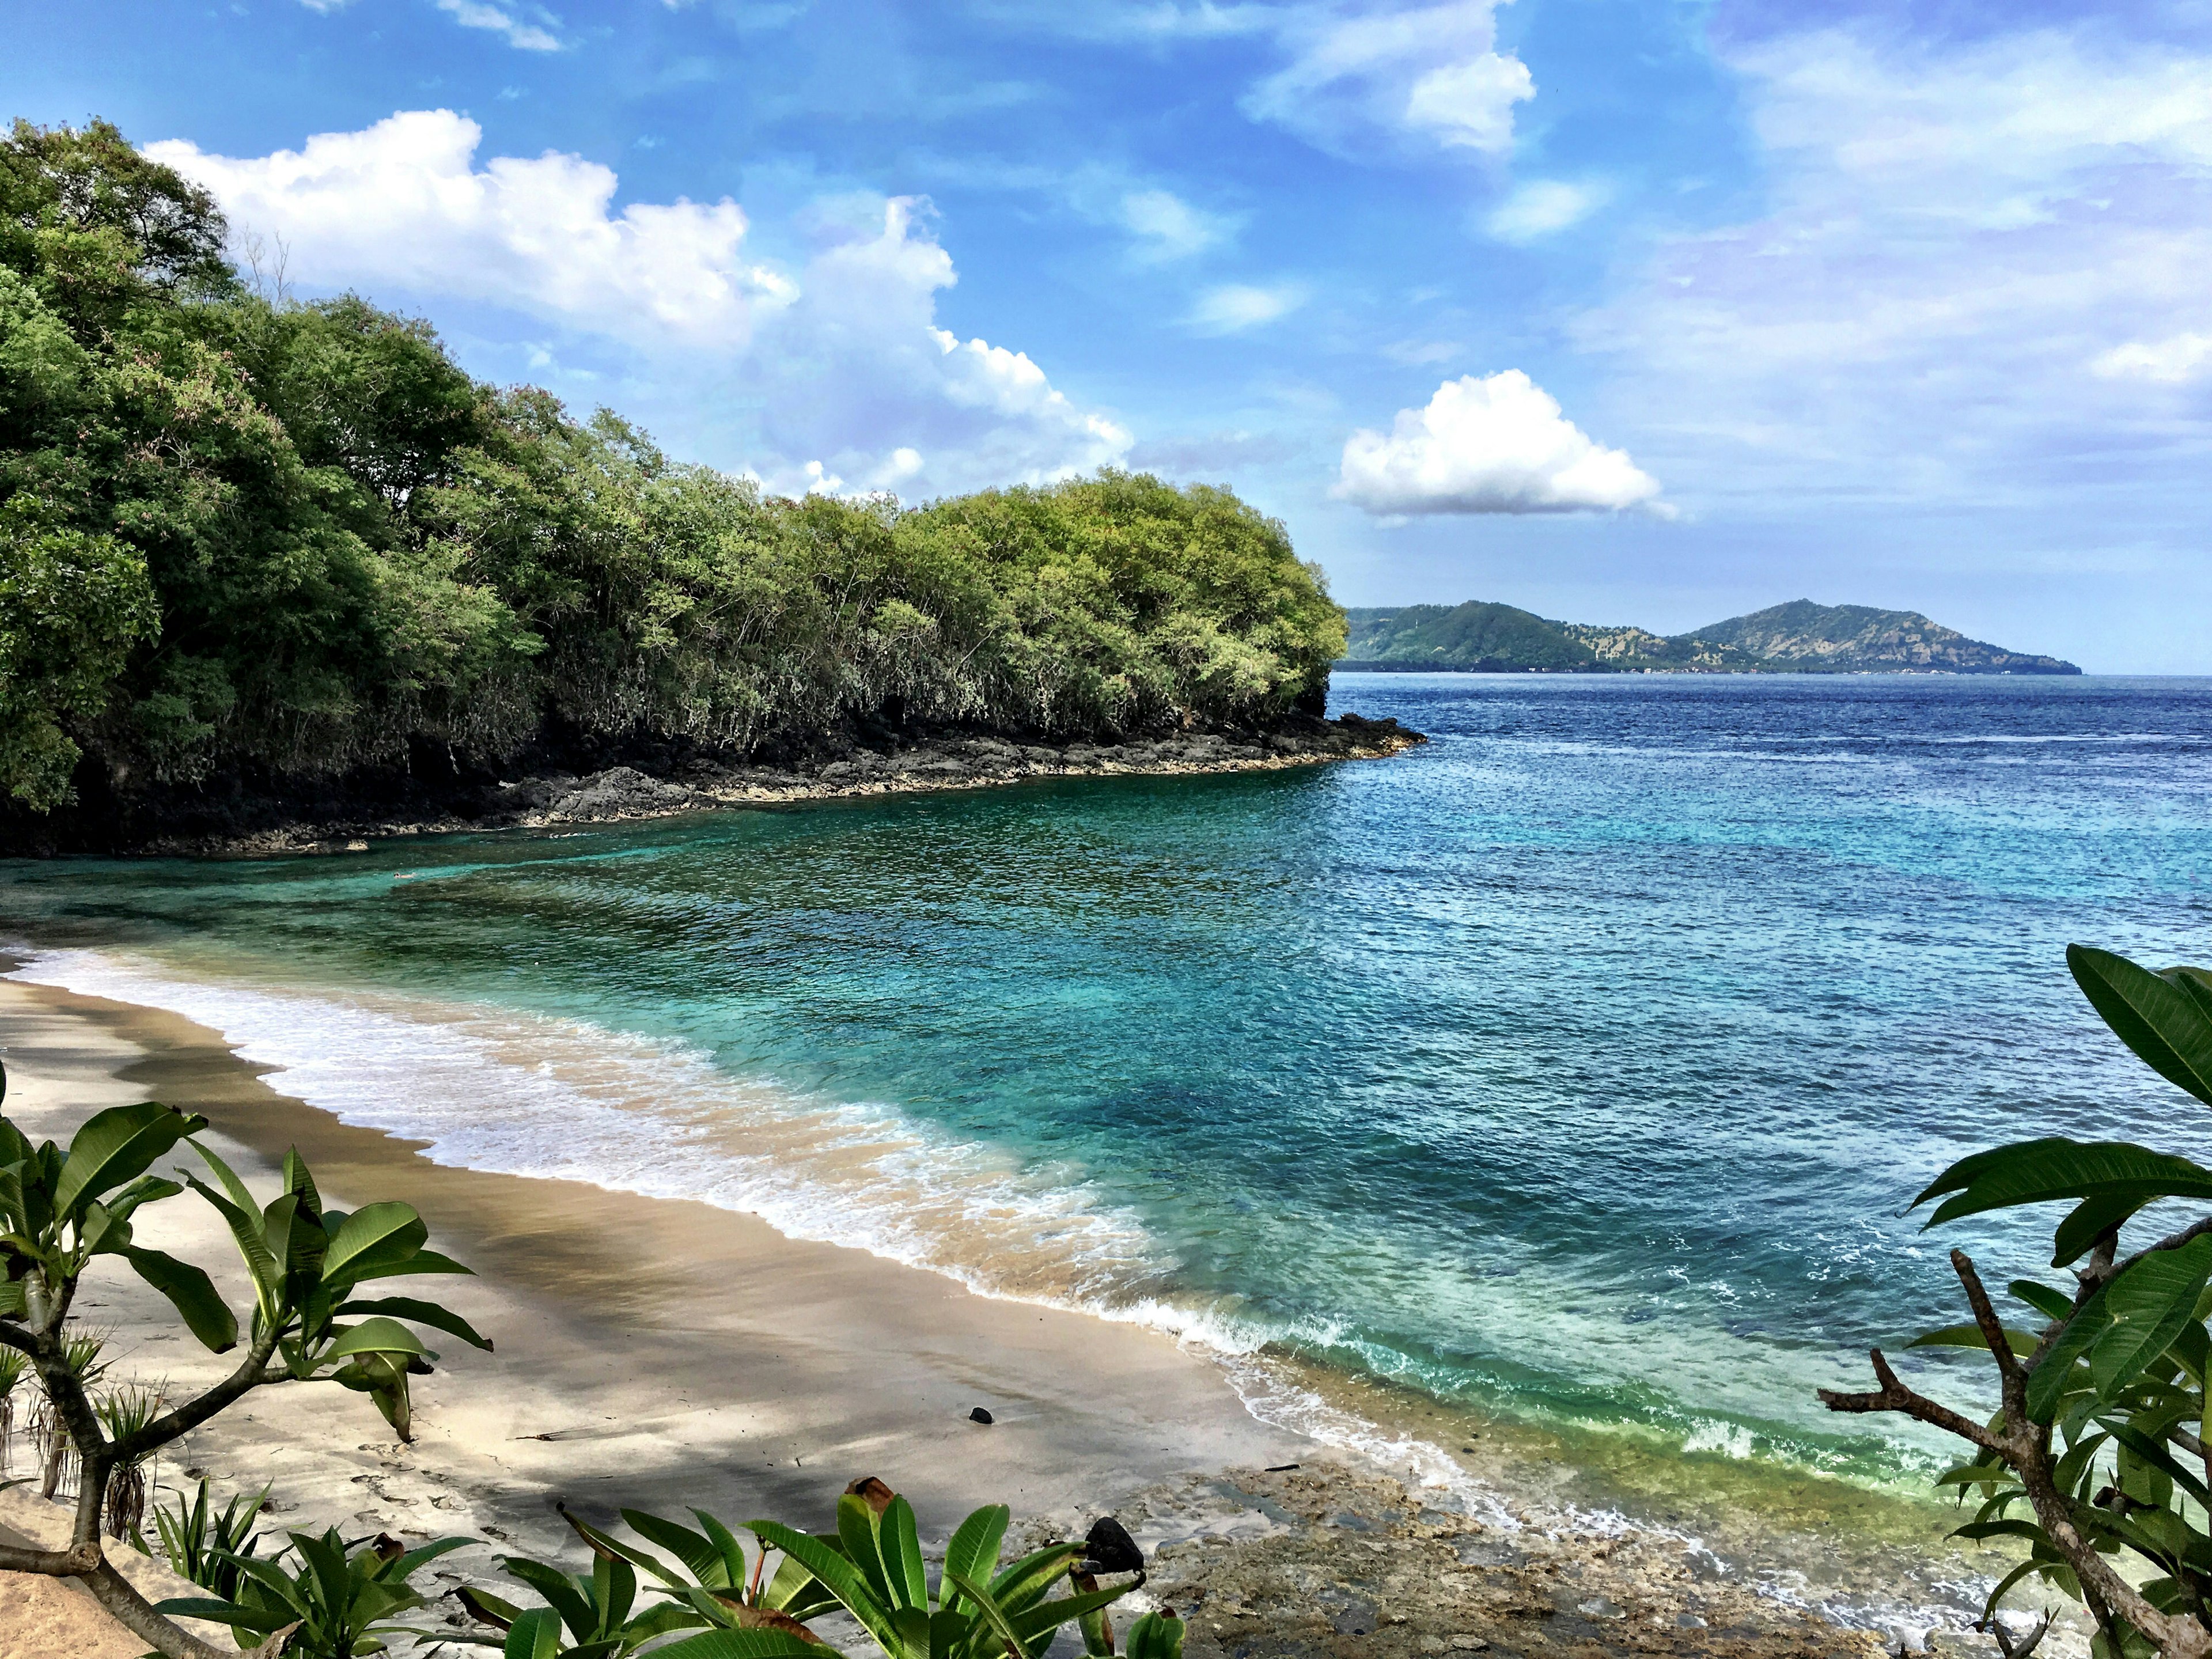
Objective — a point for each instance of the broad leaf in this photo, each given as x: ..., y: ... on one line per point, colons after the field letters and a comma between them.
x: 2146, y: 1306
x: 376, y: 1239
x: 422, y: 1313
x: 973, y: 1552
x: 192, y: 1293
x: 2039, y: 1171
x: 838, y: 1575
x: 2052, y: 1304
x: 1970, y: 1336
x: 115, y: 1147
x: 740, y: 1644
x: 378, y: 1335
x: 2168, y: 1027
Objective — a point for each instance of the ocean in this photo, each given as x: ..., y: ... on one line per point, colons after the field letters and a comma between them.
x: 1575, y: 1068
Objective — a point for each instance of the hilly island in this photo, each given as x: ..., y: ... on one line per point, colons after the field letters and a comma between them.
x: 1799, y: 637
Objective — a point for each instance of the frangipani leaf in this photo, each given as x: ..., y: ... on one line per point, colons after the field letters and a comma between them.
x: 2039, y: 1171
x: 377, y: 1335
x: 739, y: 1644
x: 1970, y: 1336
x: 422, y: 1313
x: 2146, y: 1307
x: 192, y: 1293
x: 2166, y: 1025
x: 116, y: 1146
x: 375, y: 1238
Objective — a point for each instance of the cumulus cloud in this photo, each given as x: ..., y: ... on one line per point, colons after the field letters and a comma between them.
x: 1495, y: 445
x: 835, y: 370
x: 1431, y: 74
x: 1234, y: 307
x: 1541, y: 208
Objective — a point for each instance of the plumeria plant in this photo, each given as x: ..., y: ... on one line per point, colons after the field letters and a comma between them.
x: 64, y: 1210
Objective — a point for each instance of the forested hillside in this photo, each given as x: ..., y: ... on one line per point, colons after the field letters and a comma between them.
x: 1799, y: 637
x: 244, y: 539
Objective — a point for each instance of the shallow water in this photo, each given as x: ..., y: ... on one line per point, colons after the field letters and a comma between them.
x: 1574, y: 1067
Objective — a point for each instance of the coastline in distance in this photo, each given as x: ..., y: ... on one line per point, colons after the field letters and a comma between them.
x: 1799, y: 637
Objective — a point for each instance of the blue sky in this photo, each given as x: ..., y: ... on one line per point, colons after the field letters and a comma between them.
x: 1647, y: 313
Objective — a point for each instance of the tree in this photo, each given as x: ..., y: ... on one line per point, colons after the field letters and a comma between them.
x: 63, y: 1210
x: 2103, y: 1438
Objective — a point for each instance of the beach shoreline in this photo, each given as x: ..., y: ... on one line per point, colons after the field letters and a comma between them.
x: 658, y: 1352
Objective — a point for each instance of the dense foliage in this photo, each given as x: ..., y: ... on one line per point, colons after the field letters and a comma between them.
x: 2099, y: 1459
x: 243, y: 534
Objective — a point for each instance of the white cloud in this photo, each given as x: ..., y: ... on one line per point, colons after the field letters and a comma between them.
x: 1541, y: 208
x: 1499, y: 445
x: 838, y: 364
x: 1167, y: 226
x: 477, y: 15
x: 1964, y: 250
x: 401, y: 203
x: 1433, y: 73
x: 2182, y: 358
x: 1234, y: 307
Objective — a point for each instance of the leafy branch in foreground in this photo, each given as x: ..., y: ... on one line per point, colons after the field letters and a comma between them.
x: 2100, y: 1456
x: 871, y: 1568
x: 61, y: 1211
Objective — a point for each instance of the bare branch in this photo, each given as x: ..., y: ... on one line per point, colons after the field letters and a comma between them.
x: 1894, y: 1396
x: 2014, y: 1379
x: 53, y: 1564
x: 249, y: 1376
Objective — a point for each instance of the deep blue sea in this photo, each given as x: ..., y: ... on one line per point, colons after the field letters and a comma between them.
x: 1576, y: 1065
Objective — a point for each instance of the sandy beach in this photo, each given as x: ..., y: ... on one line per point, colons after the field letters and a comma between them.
x: 662, y: 1353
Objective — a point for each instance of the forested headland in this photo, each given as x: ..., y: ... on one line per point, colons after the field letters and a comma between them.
x: 251, y: 549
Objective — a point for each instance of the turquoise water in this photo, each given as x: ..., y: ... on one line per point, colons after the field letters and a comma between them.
x: 1577, y: 1065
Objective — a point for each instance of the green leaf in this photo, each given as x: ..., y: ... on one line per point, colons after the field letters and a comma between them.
x: 535, y: 1635
x: 378, y: 1335
x: 2053, y: 1374
x: 901, y: 1542
x: 260, y: 1620
x: 1156, y: 1636
x: 973, y: 1552
x: 192, y: 1293
x: 114, y: 1147
x: 2039, y: 1171
x: 2053, y: 1304
x: 987, y: 1609
x: 2090, y: 1221
x: 2155, y: 1454
x: 297, y: 1180
x: 245, y: 1229
x: 1970, y: 1336
x: 839, y: 1576
x: 423, y: 1261
x: 375, y: 1238
x: 856, y: 1530
x: 422, y: 1313
x: 741, y: 1644
x: 733, y: 1552
x: 2146, y: 1306
x: 2169, y: 1029
x: 694, y: 1550
x: 1050, y: 1616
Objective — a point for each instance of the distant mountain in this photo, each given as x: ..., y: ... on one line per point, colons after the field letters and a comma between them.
x: 1797, y: 638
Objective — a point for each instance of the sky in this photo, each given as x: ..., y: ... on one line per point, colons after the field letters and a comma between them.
x: 1622, y: 311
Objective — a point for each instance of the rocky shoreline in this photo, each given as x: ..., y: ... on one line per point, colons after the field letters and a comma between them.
x: 883, y: 761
